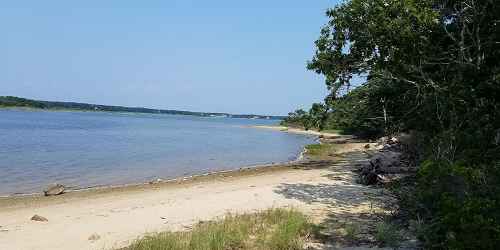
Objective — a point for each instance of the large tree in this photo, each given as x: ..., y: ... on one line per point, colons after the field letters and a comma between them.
x: 436, y: 61
x: 433, y: 66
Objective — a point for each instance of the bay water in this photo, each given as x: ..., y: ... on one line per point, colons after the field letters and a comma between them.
x: 88, y: 149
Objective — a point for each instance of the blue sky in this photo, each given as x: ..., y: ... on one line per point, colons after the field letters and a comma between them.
x: 221, y: 56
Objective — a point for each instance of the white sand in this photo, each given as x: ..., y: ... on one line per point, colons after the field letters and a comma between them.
x: 297, y: 130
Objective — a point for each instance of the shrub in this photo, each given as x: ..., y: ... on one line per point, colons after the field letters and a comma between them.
x: 461, y: 205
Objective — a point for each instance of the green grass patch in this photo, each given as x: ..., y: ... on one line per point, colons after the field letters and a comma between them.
x: 323, y: 149
x: 352, y: 231
x: 273, y: 229
x: 388, y: 234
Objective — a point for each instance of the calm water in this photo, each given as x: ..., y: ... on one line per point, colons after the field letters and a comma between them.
x: 84, y: 149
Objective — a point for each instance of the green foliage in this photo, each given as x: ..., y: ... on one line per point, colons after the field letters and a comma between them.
x: 298, y: 118
x: 357, y: 113
x: 12, y: 101
x: 462, y: 205
x: 431, y: 67
x: 313, y: 119
x: 318, y: 116
x: 388, y: 234
x: 360, y: 112
x: 273, y: 229
x: 351, y: 231
x: 288, y: 233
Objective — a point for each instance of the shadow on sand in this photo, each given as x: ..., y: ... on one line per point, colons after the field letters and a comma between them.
x: 347, y: 203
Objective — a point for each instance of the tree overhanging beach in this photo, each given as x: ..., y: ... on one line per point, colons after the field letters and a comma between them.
x: 432, y: 71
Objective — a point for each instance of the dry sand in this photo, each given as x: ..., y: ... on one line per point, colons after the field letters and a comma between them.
x: 112, y: 218
x: 297, y: 131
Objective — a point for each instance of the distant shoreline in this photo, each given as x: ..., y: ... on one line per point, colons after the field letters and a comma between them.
x: 12, y: 102
x: 31, y: 109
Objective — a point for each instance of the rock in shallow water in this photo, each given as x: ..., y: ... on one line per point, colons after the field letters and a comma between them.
x: 55, y: 189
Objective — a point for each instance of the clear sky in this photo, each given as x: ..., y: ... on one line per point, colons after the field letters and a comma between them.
x: 221, y: 56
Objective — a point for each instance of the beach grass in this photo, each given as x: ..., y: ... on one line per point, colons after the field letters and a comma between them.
x: 388, y: 234
x: 320, y: 150
x: 272, y: 229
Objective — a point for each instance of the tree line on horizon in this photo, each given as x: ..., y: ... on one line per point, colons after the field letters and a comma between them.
x: 13, y: 101
x: 432, y: 68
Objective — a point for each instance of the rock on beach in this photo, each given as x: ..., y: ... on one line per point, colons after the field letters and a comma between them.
x: 55, y: 189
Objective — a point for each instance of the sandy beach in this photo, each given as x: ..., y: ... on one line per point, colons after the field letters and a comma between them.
x: 298, y: 131
x: 119, y: 215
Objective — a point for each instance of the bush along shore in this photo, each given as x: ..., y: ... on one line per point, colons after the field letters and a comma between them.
x: 430, y: 71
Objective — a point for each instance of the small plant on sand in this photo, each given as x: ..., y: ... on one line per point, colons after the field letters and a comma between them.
x: 351, y: 231
x: 388, y: 234
x: 273, y: 229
